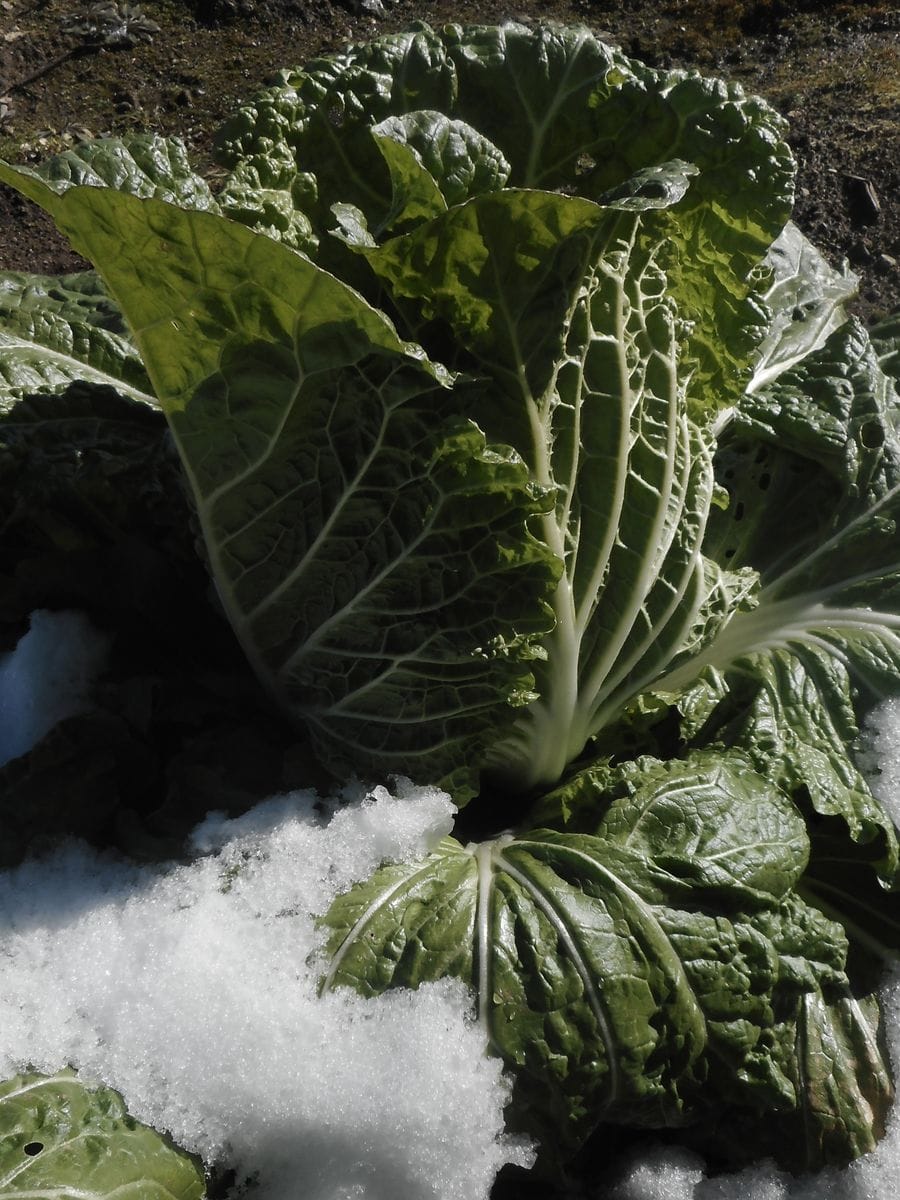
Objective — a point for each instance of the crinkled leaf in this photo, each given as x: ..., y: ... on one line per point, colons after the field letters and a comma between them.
x: 323, y: 115
x: 370, y: 548
x: 602, y: 977
x: 62, y: 1138
x: 415, y: 195
x: 838, y: 1070
x: 844, y: 1081
x: 144, y: 164
x: 271, y: 196
x: 461, y: 161
x: 805, y: 302
x: 711, y: 820
x: 57, y: 329
x: 557, y: 105
x: 789, y: 678
x: 793, y: 712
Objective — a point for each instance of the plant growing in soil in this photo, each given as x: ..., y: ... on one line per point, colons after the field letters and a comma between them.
x: 533, y: 454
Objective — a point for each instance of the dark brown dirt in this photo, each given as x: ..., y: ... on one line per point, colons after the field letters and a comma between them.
x: 833, y: 68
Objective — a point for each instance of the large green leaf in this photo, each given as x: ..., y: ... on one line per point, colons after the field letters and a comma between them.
x: 61, y: 1138
x: 633, y: 975
x: 846, y: 1086
x: 705, y: 819
x: 563, y: 304
x: 370, y: 548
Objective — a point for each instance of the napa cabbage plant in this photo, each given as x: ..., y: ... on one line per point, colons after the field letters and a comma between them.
x: 533, y: 453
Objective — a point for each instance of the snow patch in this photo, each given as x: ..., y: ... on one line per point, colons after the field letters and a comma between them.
x: 47, y: 678
x: 192, y: 990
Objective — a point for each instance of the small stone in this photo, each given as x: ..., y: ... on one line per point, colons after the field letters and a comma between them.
x: 885, y: 263
x: 865, y: 206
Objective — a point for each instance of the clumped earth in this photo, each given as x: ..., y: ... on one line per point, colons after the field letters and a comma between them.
x: 832, y: 67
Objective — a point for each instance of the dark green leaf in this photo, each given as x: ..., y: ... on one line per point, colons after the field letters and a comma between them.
x: 60, y: 1138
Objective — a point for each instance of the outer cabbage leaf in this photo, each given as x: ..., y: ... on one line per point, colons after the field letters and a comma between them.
x: 60, y: 1138
x: 841, y: 1078
x: 805, y: 301
x: 144, y: 164
x: 626, y: 976
x: 674, y: 813
x: 789, y: 678
x: 370, y: 548
x: 55, y: 330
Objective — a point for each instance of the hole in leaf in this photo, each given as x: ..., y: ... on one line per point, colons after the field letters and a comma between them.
x: 739, y: 510
x: 871, y: 435
x: 764, y: 480
x: 33, y: 1148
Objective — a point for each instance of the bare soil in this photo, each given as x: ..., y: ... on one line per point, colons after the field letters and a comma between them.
x: 831, y: 66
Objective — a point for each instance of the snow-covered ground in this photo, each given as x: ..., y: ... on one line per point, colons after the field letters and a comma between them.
x: 192, y: 990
